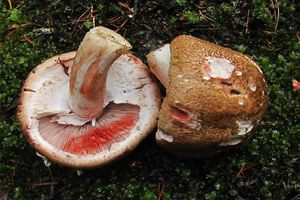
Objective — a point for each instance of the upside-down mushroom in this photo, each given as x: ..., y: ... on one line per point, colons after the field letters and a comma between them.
x: 215, y: 96
x: 85, y: 109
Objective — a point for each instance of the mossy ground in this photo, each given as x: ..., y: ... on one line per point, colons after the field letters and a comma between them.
x: 267, y: 167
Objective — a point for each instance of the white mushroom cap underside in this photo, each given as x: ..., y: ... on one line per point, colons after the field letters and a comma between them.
x: 128, y: 81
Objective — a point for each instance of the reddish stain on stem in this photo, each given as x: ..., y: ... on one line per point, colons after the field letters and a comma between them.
x: 90, y: 81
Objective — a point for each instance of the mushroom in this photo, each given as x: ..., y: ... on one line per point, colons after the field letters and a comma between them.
x: 215, y: 97
x: 85, y: 109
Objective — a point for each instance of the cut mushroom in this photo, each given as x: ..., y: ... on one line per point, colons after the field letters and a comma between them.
x: 214, y: 96
x: 159, y: 61
x: 88, y: 108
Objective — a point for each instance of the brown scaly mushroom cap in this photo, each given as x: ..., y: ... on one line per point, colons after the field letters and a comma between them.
x: 215, y: 96
x: 88, y: 108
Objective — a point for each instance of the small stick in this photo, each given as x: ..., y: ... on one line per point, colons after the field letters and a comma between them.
x: 244, y: 169
x: 43, y: 184
x: 51, y: 185
x: 160, y: 191
x: 14, y: 27
x: 9, y: 34
x: 93, y: 17
x: 147, y: 27
x: 125, y: 33
x: 82, y: 15
x: 27, y: 39
x: 113, y: 19
x: 240, y: 171
x: 12, y: 175
x: 247, y: 23
x: 277, y: 16
x: 10, y: 4
x: 121, y: 26
x: 125, y: 5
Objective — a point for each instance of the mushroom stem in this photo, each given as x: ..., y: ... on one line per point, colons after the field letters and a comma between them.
x: 97, y: 52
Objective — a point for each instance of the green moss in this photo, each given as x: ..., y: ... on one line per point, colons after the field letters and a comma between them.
x: 191, y: 16
x: 181, y: 2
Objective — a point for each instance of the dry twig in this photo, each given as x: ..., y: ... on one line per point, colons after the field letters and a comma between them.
x: 51, y: 185
x: 43, y: 184
x: 245, y: 168
x: 10, y: 4
x: 114, y: 19
x: 89, y: 14
x: 26, y: 38
x: 247, y: 23
x: 121, y: 26
x: 125, y: 5
x: 276, y: 9
x: 160, y: 190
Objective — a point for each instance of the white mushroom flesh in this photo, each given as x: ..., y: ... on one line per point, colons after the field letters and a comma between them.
x: 217, y: 68
x: 159, y: 62
x: 252, y: 87
x: 244, y: 127
x: 160, y: 135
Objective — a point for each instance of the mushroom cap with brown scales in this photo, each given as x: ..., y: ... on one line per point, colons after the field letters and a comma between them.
x: 215, y: 97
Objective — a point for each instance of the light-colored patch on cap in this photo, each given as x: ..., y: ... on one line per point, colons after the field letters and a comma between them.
x: 160, y: 135
x: 239, y: 73
x: 179, y: 76
x: 261, y: 104
x: 195, y: 123
x: 176, y: 102
x: 244, y: 127
x: 217, y: 68
x: 252, y: 87
x: 231, y: 141
x: 241, y: 101
x: 206, y: 76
